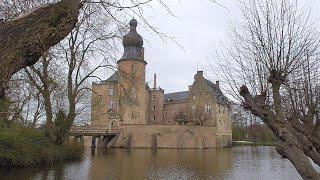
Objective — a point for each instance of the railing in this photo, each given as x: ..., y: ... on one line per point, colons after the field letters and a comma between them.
x: 91, y: 130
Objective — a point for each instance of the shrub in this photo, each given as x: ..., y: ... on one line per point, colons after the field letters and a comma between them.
x: 21, y: 147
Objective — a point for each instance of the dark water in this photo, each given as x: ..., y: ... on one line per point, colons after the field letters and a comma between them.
x: 236, y: 163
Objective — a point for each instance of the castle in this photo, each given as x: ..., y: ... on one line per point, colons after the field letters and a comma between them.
x: 125, y: 100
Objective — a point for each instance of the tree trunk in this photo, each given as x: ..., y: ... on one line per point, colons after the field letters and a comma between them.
x: 24, y: 39
x: 292, y: 144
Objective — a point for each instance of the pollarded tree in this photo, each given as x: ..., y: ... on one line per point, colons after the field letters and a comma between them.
x: 21, y: 46
x: 274, y: 54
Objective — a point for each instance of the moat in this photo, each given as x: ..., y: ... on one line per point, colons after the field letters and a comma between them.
x: 237, y: 163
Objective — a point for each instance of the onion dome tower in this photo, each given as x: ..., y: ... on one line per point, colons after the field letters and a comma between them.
x: 132, y: 43
x: 132, y: 73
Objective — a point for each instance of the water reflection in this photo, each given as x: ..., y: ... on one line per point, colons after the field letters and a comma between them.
x: 159, y: 164
x: 235, y: 163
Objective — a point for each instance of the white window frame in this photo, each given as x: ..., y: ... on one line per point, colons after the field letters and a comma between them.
x: 208, y: 108
x: 111, y: 105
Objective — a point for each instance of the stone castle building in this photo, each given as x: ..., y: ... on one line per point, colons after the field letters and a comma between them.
x: 125, y: 100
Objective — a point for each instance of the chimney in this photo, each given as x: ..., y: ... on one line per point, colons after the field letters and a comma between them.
x: 155, y: 81
x: 199, y: 75
x: 217, y: 83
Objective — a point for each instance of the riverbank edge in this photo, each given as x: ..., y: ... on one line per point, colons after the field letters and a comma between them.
x: 248, y: 143
x: 28, y: 147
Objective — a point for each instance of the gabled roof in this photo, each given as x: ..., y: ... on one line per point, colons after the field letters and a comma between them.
x: 215, y: 88
x: 217, y: 92
x: 114, y: 77
x: 177, y: 96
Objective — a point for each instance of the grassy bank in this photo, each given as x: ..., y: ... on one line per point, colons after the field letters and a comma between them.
x: 22, y: 147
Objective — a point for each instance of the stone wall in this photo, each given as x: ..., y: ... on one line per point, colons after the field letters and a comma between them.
x: 169, y: 136
x: 156, y: 105
x: 101, y: 113
x: 172, y: 109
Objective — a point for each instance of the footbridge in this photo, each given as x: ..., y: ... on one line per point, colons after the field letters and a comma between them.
x: 101, y: 136
x: 92, y: 131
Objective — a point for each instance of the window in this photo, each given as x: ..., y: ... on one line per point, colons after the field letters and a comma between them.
x: 154, y: 118
x: 133, y: 67
x: 194, y: 97
x: 111, y: 105
x: 154, y: 107
x: 174, y: 112
x: 207, y: 108
x: 99, y: 104
x: 165, y: 112
x: 219, y: 108
x: 133, y: 92
x: 193, y: 108
x: 153, y: 97
x: 111, y: 92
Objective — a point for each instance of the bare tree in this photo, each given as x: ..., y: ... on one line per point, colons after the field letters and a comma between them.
x: 68, y: 69
x: 274, y: 56
x: 194, y: 117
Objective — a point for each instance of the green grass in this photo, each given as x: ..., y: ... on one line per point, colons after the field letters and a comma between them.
x: 23, y: 147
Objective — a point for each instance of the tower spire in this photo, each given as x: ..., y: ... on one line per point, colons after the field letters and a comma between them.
x: 132, y: 43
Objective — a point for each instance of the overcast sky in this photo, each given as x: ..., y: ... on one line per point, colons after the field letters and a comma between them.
x: 200, y: 27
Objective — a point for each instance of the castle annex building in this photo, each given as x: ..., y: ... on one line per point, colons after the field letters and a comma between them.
x: 124, y: 101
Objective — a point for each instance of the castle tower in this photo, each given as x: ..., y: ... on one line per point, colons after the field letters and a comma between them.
x: 132, y: 70
x: 156, y: 104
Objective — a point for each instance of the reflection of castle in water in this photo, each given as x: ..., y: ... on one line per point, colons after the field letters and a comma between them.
x: 160, y: 163
x: 236, y: 163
